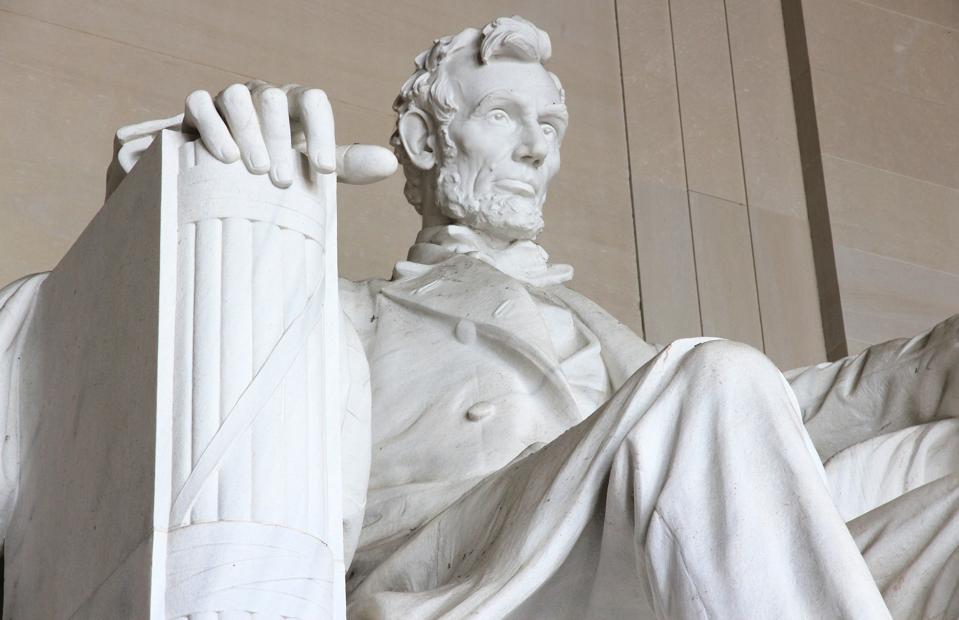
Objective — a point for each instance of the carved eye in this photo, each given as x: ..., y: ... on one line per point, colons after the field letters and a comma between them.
x: 549, y: 131
x: 498, y: 116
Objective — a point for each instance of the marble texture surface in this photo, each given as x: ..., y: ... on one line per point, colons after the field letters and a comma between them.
x: 90, y: 384
x: 497, y: 434
x: 890, y: 170
x: 174, y: 460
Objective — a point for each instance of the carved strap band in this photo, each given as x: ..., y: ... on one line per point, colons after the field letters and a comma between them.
x: 248, y: 567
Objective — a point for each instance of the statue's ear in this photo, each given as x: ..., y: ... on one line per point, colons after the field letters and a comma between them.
x: 419, y: 139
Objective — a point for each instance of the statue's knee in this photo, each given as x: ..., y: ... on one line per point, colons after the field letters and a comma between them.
x: 740, y: 386
x: 943, y: 344
x: 722, y: 358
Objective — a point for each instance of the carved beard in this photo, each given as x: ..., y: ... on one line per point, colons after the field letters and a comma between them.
x: 500, y: 215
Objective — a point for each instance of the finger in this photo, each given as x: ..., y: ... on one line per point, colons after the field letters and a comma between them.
x: 273, y: 110
x: 360, y: 164
x: 292, y: 95
x: 236, y: 106
x: 200, y: 114
x: 293, y: 91
x: 316, y: 117
x: 255, y: 86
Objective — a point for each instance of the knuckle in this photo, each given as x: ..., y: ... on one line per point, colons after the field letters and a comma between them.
x: 313, y: 97
x: 256, y: 85
x: 234, y: 94
x: 272, y: 99
x: 196, y: 99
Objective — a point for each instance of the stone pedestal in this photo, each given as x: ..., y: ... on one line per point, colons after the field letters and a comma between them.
x: 179, y: 405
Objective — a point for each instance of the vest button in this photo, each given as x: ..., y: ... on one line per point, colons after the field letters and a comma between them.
x: 465, y: 331
x: 480, y: 410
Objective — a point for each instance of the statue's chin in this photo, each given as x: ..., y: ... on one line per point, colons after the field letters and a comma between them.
x: 504, y: 216
x: 506, y: 228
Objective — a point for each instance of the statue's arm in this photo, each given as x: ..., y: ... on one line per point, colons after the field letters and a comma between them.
x: 884, y: 388
x: 356, y: 398
x: 16, y: 305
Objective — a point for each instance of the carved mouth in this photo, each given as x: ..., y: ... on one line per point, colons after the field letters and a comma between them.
x: 516, y: 186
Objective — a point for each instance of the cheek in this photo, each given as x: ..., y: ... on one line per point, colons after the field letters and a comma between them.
x: 482, y: 147
x: 552, y: 164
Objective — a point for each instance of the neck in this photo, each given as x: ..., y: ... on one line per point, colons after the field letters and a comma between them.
x: 432, y: 215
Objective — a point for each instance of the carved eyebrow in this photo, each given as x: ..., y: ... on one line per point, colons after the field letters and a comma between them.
x: 497, y: 98
x: 556, y: 112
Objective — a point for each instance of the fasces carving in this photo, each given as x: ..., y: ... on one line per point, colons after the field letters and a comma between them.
x: 255, y: 518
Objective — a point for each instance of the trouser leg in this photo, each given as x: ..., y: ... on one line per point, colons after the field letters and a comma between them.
x: 911, y: 546
x: 885, y: 388
x: 725, y: 498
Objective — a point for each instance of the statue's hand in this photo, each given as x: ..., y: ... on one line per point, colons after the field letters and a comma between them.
x: 258, y: 122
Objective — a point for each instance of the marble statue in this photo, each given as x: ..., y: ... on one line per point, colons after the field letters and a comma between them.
x: 509, y: 449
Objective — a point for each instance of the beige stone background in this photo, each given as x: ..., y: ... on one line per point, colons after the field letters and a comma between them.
x: 781, y: 173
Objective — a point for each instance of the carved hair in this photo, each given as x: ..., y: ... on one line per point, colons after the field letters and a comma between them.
x: 428, y: 90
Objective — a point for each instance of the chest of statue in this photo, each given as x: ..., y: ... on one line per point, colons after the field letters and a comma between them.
x: 464, y: 377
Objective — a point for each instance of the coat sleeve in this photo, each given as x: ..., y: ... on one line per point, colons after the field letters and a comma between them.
x: 356, y: 399
x: 885, y: 388
x: 16, y: 304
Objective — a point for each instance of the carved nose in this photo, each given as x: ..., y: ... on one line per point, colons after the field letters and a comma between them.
x: 533, y: 149
x: 533, y: 157
x: 534, y: 160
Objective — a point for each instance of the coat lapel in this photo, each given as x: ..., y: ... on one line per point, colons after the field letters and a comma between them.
x: 623, y: 351
x: 465, y: 289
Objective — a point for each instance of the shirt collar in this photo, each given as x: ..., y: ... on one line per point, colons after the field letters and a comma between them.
x: 524, y: 260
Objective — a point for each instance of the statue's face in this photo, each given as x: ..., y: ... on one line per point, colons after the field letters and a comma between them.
x: 507, y: 135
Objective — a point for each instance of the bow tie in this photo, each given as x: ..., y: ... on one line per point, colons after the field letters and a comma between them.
x: 524, y: 260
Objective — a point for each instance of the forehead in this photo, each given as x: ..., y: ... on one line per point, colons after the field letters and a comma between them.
x: 527, y: 81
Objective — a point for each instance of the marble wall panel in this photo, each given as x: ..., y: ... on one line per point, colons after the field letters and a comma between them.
x: 787, y: 286
x: 789, y: 301
x: 706, y: 99
x: 906, y: 135
x: 942, y: 12
x: 764, y: 102
x: 893, y: 215
x: 724, y: 262
x: 64, y: 93
x: 667, y: 262
x: 709, y: 106
x: 885, y: 298
x: 650, y: 93
x: 885, y: 86
x: 658, y: 172
x: 866, y: 43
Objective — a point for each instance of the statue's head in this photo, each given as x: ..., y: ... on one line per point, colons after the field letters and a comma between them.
x: 479, y: 128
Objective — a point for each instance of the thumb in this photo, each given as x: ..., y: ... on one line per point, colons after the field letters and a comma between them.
x: 360, y: 164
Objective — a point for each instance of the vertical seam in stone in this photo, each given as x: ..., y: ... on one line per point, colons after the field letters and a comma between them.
x: 629, y: 169
x: 682, y: 142
x: 810, y: 157
x: 742, y: 167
